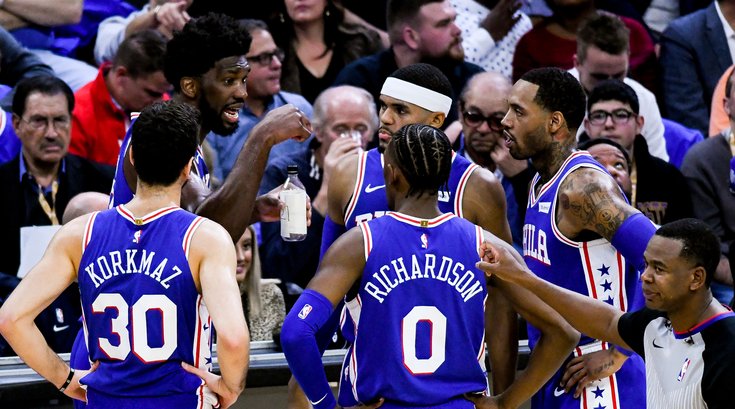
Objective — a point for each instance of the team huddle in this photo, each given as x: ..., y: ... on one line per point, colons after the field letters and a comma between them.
x: 417, y: 262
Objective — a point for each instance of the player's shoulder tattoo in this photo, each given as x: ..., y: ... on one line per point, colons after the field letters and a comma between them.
x: 594, y: 201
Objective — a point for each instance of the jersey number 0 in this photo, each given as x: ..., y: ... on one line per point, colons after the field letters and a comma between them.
x: 438, y: 323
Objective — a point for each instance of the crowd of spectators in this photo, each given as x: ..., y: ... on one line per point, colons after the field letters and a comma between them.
x: 657, y: 74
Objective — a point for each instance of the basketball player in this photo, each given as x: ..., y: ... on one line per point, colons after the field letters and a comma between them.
x: 421, y: 94
x: 419, y: 336
x: 205, y: 62
x: 150, y: 275
x: 579, y: 233
x: 684, y: 334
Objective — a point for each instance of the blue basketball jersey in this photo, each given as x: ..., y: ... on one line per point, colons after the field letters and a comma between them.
x: 142, y: 312
x: 369, y: 200
x: 121, y: 192
x: 419, y: 324
x: 592, y: 268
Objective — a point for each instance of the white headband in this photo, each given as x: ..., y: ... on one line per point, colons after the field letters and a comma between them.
x: 417, y: 95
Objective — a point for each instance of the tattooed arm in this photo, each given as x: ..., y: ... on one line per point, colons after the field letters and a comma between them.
x: 591, y: 200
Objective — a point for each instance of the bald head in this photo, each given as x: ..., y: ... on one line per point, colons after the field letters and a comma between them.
x: 84, y: 203
x: 487, y: 85
x: 482, y: 105
x: 343, y: 111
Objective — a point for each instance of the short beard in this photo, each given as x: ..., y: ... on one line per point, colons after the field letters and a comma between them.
x: 212, y: 120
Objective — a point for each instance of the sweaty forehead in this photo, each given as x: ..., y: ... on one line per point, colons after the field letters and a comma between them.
x: 232, y: 63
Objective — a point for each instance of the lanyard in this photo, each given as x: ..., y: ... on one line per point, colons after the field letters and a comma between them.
x: 50, y: 210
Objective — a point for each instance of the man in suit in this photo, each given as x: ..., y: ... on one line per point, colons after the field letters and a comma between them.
x: 695, y: 51
x: 42, y: 179
x: 38, y: 184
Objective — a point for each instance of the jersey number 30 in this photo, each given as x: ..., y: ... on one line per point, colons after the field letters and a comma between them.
x: 139, y: 340
x: 438, y: 323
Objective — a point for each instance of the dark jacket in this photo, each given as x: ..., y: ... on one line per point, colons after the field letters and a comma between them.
x: 20, y: 206
x: 353, y: 42
x: 694, y: 54
x: 662, y: 191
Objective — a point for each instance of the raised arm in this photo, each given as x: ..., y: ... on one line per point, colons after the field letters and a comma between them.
x: 54, y: 273
x: 589, y: 316
x: 557, y: 337
x: 233, y: 204
x: 213, y: 261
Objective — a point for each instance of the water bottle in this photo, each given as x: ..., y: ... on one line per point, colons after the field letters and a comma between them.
x: 293, y: 214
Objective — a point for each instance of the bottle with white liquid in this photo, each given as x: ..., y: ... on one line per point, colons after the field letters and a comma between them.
x: 293, y: 214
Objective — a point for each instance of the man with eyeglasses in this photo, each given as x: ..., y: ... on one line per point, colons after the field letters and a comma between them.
x: 482, y: 105
x: 264, y: 95
x: 603, y: 52
x: 39, y: 183
x: 659, y: 190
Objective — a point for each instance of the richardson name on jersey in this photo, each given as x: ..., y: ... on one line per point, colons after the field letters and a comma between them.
x: 132, y: 262
x: 423, y: 267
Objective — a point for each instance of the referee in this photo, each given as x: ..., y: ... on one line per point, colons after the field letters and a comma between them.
x: 685, y: 336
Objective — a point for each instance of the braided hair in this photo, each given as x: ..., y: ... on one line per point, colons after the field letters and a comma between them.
x: 424, y: 155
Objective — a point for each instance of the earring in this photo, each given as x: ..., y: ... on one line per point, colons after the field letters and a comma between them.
x: 280, y: 17
x: 326, y: 13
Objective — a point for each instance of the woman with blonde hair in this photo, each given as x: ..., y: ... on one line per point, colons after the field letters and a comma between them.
x: 262, y: 300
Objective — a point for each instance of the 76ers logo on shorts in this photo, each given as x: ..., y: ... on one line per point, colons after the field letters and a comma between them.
x: 305, y: 311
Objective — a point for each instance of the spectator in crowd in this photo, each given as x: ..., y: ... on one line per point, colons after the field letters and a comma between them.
x: 706, y: 168
x: 132, y: 81
x: 552, y: 43
x: 695, y: 51
x: 614, y: 158
x: 419, y: 31
x: 42, y: 179
x: 264, y: 94
x: 165, y: 16
x: 603, y: 52
x: 39, y: 183
x: 658, y: 188
x: 58, y: 31
x: 483, y: 104
x: 318, y: 43
x: 718, y: 118
x: 490, y: 31
x: 344, y: 122
x: 262, y: 300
